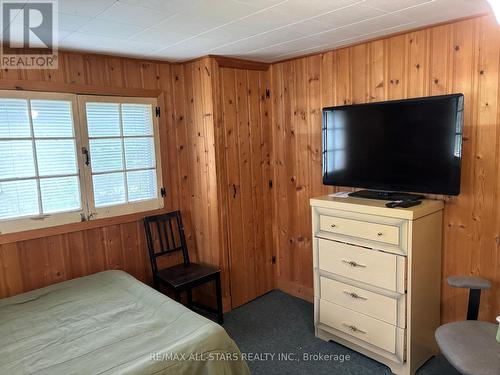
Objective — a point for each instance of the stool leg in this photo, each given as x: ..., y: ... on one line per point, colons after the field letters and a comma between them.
x: 473, y: 308
x: 218, y: 291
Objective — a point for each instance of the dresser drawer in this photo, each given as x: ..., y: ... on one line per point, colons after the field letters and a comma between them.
x: 387, y: 309
x: 372, y: 331
x: 365, y: 265
x: 388, y: 234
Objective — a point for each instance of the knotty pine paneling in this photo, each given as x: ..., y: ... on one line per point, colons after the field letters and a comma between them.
x: 195, y: 118
x: 456, y: 57
x: 39, y: 262
x: 186, y: 137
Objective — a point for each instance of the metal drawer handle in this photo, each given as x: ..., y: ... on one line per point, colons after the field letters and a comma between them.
x: 333, y: 225
x: 353, y: 328
x: 354, y: 295
x: 353, y: 263
x: 380, y: 234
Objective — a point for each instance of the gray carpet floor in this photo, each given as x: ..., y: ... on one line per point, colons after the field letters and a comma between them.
x: 279, y: 323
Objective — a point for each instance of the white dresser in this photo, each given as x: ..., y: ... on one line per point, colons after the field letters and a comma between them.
x: 377, y: 278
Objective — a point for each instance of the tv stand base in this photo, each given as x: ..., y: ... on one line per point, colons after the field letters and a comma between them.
x: 386, y: 195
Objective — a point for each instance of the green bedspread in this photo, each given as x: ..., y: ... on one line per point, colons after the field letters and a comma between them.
x: 110, y: 323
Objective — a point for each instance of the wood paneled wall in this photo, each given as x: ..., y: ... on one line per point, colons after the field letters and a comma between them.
x: 195, y: 117
x: 190, y: 122
x: 186, y: 135
x: 456, y: 57
x: 34, y: 263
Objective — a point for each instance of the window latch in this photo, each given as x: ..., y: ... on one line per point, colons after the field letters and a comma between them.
x: 39, y: 217
x: 86, y: 153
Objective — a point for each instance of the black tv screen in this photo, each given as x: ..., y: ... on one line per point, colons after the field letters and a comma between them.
x: 412, y: 145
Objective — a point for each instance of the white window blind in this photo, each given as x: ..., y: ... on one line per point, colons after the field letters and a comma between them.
x: 61, y: 162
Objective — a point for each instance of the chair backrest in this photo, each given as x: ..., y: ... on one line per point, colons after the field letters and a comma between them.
x: 165, y: 235
x: 475, y: 284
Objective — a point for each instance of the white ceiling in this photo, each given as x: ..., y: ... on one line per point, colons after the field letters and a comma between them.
x: 263, y: 30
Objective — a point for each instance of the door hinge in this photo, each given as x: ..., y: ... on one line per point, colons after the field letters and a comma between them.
x: 268, y: 93
x: 270, y: 184
x: 274, y: 259
x: 157, y: 112
x: 163, y: 192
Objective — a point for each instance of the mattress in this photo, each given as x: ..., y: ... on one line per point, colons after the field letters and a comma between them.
x: 110, y: 323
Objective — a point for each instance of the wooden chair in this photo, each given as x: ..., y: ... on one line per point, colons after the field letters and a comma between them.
x: 165, y: 235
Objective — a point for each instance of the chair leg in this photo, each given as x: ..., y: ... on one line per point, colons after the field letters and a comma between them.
x: 190, y: 298
x: 474, y: 300
x: 218, y: 291
x: 177, y: 294
x: 156, y: 284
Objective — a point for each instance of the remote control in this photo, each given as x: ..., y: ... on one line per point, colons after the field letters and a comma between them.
x: 406, y: 204
x: 403, y: 204
x: 393, y: 204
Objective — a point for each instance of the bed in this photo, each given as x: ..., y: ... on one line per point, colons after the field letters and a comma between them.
x: 110, y: 323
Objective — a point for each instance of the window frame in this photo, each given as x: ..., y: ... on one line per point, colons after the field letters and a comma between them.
x: 131, y: 207
x: 87, y: 211
x: 29, y: 222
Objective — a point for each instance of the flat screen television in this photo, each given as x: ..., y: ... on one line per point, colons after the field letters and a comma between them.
x: 412, y: 145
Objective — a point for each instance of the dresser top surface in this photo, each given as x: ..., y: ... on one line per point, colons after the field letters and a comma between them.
x: 377, y: 207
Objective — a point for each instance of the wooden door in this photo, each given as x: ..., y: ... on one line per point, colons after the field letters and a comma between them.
x: 247, y: 138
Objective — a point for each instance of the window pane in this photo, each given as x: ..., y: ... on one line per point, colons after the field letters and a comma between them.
x: 137, y: 119
x: 60, y: 194
x: 106, y: 155
x: 141, y: 185
x: 139, y: 153
x: 52, y: 118
x: 16, y: 159
x: 103, y: 119
x: 56, y: 157
x: 14, y: 120
x: 18, y: 198
x: 109, y: 189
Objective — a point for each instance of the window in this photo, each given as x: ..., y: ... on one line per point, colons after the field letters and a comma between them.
x: 67, y: 158
x: 124, y: 169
